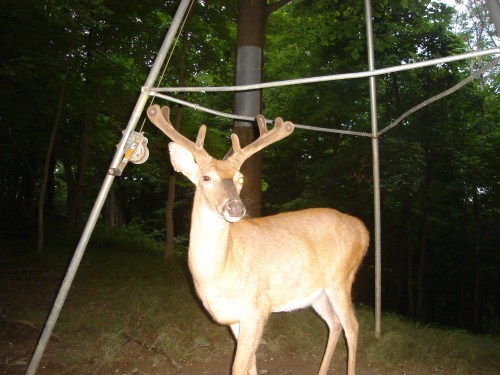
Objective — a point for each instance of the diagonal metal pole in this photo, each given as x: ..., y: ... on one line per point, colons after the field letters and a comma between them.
x: 376, y: 172
x: 101, y: 198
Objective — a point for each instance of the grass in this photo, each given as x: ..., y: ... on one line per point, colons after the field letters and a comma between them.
x: 124, y: 293
x: 456, y: 351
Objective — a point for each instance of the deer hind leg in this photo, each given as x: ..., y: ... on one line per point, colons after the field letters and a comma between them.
x: 340, y: 298
x: 245, y: 363
x: 324, y: 308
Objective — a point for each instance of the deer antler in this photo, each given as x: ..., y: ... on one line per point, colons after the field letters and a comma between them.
x: 161, y: 119
x: 279, y: 131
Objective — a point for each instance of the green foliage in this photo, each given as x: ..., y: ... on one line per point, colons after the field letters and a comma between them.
x: 133, y: 235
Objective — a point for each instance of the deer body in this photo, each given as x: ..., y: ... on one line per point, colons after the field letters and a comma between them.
x: 273, y: 275
x: 245, y: 269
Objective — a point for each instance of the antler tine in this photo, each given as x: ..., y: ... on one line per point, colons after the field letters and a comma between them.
x: 279, y: 131
x: 200, y: 139
x: 161, y: 119
x: 261, y: 122
x: 235, y: 141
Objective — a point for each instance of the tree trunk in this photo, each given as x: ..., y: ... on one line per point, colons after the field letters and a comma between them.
x: 409, y: 277
x: 423, y: 242
x: 463, y: 317
x: 169, y: 218
x: 75, y: 207
x: 421, y: 267
x: 169, y: 209
x: 477, y: 260
x: 112, y: 212
x: 70, y: 182
x: 8, y: 189
x: 252, y: 17
x: 249, y: 66
x: 50, y: 205
x: 48, y: 157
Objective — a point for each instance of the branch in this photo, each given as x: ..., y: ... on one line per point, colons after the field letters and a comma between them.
x: 451, y: 90
x: 275, y: 6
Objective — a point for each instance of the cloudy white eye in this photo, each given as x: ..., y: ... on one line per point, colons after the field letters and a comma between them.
x: 241, y: 180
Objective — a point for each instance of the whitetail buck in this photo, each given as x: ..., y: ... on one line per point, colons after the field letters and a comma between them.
x: 245, y: 269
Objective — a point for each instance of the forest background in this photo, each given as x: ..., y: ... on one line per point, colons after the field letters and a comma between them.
x: 71, y: 72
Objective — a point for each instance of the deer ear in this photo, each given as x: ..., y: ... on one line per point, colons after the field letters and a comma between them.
x: 183, y: 161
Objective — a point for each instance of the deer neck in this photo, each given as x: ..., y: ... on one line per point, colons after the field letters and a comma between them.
x: 208, y: 244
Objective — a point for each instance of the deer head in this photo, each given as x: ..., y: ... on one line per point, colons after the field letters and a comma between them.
x: 218, y: 181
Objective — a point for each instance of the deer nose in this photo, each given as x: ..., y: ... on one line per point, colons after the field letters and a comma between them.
x: 234, y: 210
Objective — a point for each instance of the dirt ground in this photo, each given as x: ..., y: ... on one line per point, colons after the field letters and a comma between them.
x: 36, y: 288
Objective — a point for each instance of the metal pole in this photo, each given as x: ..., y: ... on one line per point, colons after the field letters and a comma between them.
x: 101, y: 198
x: 376, y: 173
x: 251, y: 118
x: 333, y: 77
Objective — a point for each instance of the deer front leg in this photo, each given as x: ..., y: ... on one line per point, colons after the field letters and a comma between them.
x: 235, y: 328
x: 248, y: 334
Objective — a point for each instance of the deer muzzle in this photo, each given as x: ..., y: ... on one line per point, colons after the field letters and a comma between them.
x: 234, y: 210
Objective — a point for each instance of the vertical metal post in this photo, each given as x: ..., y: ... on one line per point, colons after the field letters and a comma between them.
x: 376, y: 173
x: 101, y: 198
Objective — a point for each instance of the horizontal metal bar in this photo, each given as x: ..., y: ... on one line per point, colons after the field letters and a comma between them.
x: 335, y: 77
x: 251, y: 119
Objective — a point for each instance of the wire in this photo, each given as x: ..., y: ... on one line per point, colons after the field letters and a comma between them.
x: 441, y: 95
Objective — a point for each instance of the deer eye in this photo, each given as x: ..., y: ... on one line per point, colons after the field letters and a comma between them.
x: 206, y: 178
x: 241, y: 180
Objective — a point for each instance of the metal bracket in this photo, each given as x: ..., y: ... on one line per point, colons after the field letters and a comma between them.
x: 136, y: 151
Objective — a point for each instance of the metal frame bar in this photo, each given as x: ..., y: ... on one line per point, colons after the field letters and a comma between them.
x: 334, y: 77
x: 250, y: 119
x: 376, y: 169
x: 101, y: 198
